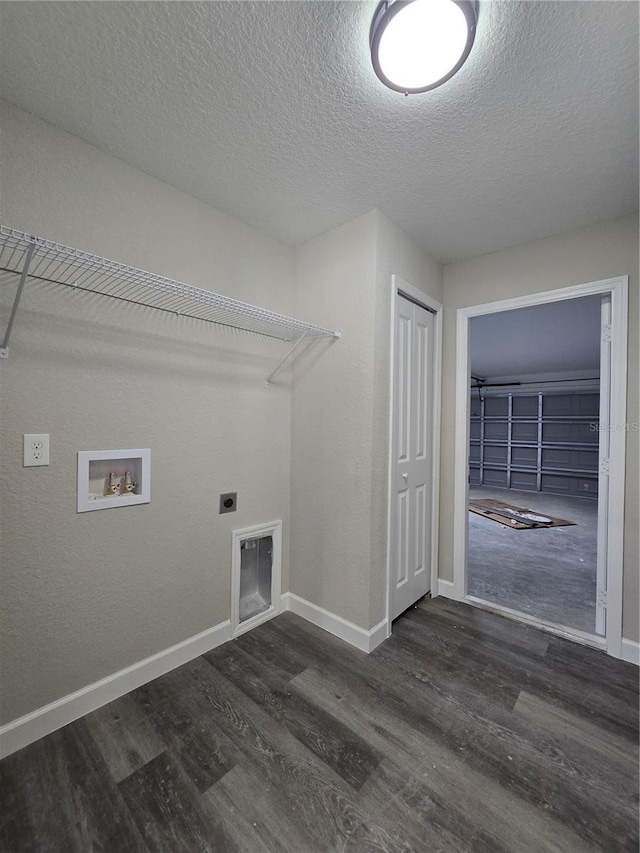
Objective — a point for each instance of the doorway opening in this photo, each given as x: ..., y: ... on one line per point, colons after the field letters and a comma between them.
x: 534, y: 462
x: 509, y: 461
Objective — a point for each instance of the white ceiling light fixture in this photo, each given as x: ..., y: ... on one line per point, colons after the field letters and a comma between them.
x: 416, y: 45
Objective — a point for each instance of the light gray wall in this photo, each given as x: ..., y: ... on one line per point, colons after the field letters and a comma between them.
x: 86, y: 595
x: 590, y: 254
x: 332, y: 436
x: 340, y: 431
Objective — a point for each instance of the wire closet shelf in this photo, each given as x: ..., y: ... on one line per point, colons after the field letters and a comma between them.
x: 26, y: 256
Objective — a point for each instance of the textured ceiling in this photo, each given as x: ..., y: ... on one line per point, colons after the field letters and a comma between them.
x: 271, y: 112
x: 556, y: 338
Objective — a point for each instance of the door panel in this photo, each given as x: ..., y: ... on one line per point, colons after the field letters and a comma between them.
x: 423, y: 363
x: 402, y: 538
x: 404, y: 382
x: 412, y: 456
x: 421, y: 528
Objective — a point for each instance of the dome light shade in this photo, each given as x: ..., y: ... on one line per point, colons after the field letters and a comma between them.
x: 417, y: 45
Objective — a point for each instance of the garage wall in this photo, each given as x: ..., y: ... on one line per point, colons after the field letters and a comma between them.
x: 86, y: 595
x: 590, y: 254
x: 545, y: 442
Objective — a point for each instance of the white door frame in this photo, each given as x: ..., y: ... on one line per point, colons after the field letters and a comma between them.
x: 399, y: 286
x: 617, y: 289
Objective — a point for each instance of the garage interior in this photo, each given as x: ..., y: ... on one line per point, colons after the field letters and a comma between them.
x: 534, y: 443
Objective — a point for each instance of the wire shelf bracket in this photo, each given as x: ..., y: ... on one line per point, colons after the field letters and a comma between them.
x: 267, y: 381
x: 24, y: 256
x: 4, y: 347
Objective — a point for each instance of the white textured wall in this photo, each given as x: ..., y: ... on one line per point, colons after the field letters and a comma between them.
x: 85, y: 595
x: 332, y: 436
x: 590, y: 254
x: 340, y: 429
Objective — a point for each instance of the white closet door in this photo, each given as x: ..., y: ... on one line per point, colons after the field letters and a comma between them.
x: 412, y: 455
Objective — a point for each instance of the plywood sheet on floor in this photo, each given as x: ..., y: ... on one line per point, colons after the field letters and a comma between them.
x: 490, y: 508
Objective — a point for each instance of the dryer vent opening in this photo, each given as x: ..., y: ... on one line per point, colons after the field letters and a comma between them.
x: 256, y: 566
x: 256, y: 569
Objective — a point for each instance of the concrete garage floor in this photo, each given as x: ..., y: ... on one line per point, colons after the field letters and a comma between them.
x: 549, y: 573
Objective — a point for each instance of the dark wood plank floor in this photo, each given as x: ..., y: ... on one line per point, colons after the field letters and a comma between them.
x: 463, y: 732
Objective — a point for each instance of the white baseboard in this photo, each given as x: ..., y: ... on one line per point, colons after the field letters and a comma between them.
x: 353, y: 634
x: 43, y: 721
x: 630, y: 651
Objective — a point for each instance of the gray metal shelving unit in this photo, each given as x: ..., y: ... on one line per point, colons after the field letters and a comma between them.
x: 536, y: 442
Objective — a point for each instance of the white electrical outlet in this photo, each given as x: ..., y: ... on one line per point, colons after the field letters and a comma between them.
x: 35, y: 450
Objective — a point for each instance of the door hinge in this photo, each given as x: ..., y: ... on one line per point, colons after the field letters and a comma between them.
x: 601, y: 598
x: 606, y: 333
x: 604, y: 466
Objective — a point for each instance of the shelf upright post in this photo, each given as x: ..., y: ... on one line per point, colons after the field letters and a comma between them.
x: 539, y: 449
x: 482, y: 441
x: 4, y: 348
x: 509, y: 436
